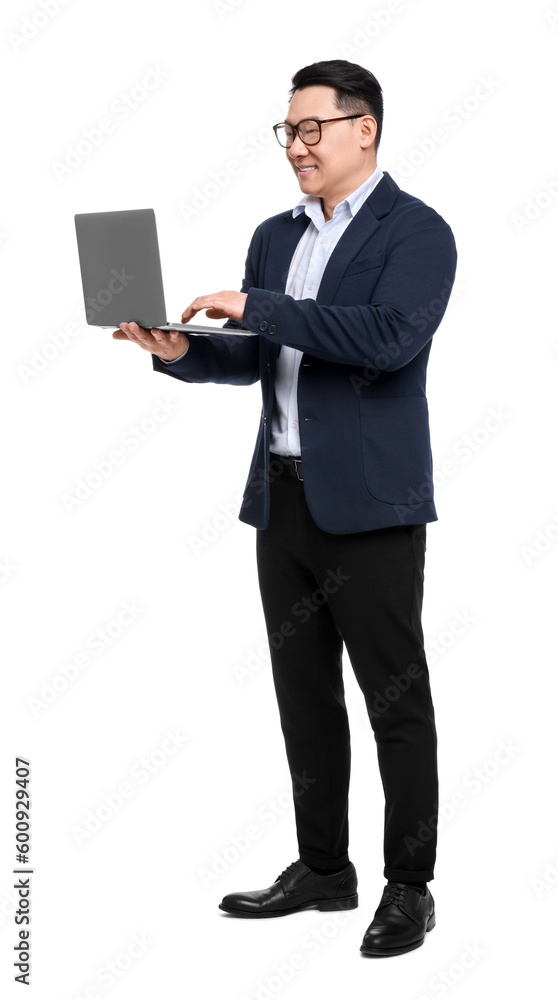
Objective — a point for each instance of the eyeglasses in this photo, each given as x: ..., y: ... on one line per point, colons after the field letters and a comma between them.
x: 309, y: 130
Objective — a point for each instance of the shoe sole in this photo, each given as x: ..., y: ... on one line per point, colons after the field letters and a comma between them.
x: 386, y: 952
x: 343, y: 903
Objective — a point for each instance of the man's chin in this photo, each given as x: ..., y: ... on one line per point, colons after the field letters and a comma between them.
x: 309, y: 184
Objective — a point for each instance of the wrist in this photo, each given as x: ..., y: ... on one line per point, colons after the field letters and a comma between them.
x: 181, y: 349
x: 170, y: 361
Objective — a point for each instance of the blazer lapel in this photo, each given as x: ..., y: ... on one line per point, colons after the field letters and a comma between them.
x: 357, y: 233
x: 282, y: 245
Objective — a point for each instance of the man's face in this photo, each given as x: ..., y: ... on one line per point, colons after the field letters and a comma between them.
x: 334, y: 167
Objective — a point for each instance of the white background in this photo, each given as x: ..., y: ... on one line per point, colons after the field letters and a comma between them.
x: 223, y: 77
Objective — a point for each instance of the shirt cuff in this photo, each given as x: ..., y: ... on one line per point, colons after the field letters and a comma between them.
x: 179, y: 358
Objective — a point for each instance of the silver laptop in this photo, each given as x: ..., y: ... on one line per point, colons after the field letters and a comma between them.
x: 121, y: 272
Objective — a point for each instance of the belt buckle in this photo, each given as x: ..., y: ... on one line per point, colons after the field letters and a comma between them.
x: 297, y: 462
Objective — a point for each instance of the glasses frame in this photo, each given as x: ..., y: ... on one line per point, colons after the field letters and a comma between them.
x: 319, y: 123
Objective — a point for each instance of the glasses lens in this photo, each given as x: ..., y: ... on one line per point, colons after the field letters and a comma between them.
x: 284, y: 134
x: 309, y: 132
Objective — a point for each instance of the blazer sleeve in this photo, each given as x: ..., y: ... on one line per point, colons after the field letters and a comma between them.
x: 223, y: 359
x: 404, y: 309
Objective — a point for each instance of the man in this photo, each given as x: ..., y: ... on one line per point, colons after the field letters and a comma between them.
x: 345, y: 292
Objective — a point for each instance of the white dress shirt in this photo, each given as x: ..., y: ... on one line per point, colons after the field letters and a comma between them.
x: 314, y: 249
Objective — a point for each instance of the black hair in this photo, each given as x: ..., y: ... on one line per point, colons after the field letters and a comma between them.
x: 356, y: 88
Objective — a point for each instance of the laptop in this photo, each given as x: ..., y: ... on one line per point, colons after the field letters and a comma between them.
x: 121, y: 272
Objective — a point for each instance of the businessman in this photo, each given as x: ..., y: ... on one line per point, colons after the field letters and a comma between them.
x: 345, y: 291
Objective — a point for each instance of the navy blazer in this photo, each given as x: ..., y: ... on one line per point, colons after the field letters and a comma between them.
x: 363, y: 413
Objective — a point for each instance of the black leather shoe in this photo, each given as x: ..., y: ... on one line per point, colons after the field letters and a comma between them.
x: 400, y: 922
x: 296, y: 888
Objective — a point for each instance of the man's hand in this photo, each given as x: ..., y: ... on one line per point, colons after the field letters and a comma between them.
x: 167, y: 345
x: 220, y: 305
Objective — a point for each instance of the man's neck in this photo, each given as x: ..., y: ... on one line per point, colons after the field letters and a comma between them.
x: 329, y: 205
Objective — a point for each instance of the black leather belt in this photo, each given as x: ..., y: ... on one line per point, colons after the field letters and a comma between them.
x: 292, y: 465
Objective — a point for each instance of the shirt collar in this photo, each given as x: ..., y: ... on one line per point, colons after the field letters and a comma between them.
x: 352, y: 203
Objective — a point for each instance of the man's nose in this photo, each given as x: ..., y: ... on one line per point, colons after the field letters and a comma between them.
x: 297, y: 148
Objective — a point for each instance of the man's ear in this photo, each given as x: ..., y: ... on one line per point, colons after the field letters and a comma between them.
x: 368, y: 129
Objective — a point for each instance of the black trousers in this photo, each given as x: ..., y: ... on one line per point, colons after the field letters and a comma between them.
x: 320, y: 590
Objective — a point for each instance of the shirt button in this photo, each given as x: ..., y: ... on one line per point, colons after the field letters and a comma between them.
x: 310, y: 287
x: 294, y: 423
x: 322, y: 239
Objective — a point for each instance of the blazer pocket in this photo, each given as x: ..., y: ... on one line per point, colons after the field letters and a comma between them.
x: 396, y: 455
x: 365, y: 264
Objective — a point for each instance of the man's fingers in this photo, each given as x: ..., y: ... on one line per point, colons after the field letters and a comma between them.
x: 219, y: 305
x: 126, y: 331
x: 202, y: 302
x: 216, y: 314
x: 139, y: 333
x: 165, y: 336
